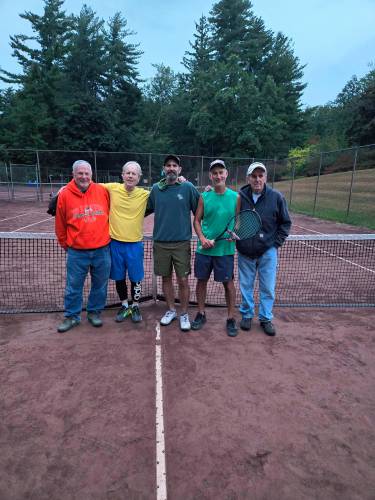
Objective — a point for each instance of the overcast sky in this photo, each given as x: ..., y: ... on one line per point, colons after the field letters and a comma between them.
x: 335, y: 39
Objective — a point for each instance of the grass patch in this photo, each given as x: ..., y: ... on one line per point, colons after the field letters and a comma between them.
x: 333, y: 197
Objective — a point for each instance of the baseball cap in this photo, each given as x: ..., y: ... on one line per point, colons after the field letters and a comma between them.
x: 171, y: 157
x: 255, y: 165
x: 217, y: 162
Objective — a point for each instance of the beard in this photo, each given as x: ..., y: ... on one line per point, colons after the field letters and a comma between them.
x: 171, y: 176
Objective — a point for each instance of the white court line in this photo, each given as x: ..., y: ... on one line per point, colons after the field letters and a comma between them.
x: 339, y: 258
x: 161, y: 475
x: 307, y: 229
x: 34, y: 224
x: 22, y: 215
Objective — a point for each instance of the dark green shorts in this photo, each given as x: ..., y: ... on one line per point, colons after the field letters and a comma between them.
x: 169, y: 255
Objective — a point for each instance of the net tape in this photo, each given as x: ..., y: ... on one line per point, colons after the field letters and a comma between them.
x: 336, y: 270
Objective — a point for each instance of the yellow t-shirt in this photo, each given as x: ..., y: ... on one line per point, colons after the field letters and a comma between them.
x: 127, y: 212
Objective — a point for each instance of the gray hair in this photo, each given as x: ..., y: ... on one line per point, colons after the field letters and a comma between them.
x: 133, y: 163
x: 78, y: 163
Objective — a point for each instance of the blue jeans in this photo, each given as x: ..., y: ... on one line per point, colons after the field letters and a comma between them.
x: 266, y: 266
x: 78, y: 264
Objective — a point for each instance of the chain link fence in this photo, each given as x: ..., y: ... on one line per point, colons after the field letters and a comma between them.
x: 332, y: 184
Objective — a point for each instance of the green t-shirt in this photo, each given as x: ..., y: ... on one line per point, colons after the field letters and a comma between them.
x: 218, y: 209
x: 172, y: 207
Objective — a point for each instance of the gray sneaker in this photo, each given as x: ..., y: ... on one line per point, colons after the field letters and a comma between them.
x: 94, y: 319
x: 68, y: 324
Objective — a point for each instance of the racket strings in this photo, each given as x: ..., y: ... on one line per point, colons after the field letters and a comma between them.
x: 247, y: 224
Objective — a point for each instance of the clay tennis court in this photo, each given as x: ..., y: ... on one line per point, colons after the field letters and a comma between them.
x: 254, y: 417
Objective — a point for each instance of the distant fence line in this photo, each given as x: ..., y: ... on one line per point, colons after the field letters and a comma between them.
x: 34, y: 173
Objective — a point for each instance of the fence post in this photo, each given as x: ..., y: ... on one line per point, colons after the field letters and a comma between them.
x: 95, y: 169
x: 39, y: 193
x: 292, y: 183
x: 150, y: 170
x: 200, y: 188
x: 274, y: 171
x: 352, y: 181
x: 8, y: 176
x: 11, y: 180
x: 317, y: 182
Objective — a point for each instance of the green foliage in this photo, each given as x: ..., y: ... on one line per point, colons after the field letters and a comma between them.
x: 300, y: 159
x: 347, y: 121
x: 80, y: 88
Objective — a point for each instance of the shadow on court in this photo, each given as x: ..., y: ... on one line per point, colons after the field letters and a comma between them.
x: 250, y: 417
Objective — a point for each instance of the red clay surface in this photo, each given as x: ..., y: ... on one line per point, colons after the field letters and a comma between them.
x: 290, y: 417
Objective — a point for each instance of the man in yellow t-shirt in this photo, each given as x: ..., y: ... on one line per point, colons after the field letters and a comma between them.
x: 127, y: 211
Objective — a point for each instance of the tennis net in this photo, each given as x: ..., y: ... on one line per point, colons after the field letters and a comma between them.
x: 314, y: 271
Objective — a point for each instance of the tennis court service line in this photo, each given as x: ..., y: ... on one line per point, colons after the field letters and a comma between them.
x: 34, y: 224
x: 22, y: 215
x: 339, y: 258
x: 307, y: 229
x: 161, y: 475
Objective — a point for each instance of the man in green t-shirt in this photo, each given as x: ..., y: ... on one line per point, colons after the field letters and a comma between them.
x: 173, y: 202
x: 215, y: 208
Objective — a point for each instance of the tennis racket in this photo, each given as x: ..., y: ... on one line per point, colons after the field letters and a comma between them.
x: 244, y: 225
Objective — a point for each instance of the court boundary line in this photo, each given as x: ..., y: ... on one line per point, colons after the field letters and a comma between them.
x: 161, y: 474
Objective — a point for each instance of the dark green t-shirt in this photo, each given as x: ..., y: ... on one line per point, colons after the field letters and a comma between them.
x: 172, y: 207
x: 218, y: 209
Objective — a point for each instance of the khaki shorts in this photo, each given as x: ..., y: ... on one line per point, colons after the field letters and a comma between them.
x: 169, y: 255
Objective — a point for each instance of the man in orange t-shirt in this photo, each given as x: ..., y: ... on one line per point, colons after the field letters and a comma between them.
x: 82, y: 229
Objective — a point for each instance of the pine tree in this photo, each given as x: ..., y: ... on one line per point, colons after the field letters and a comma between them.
x: 36, y: 106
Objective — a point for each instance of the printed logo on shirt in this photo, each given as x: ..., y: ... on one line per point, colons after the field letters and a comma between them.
x: 88, y: 212
x: 180, y: 197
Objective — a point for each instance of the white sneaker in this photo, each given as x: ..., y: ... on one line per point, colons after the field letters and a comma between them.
x: 168, y: 317
x: 184, y: 322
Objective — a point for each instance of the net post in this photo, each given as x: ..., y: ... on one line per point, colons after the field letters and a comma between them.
x: 352, y: 181
x: 154, y: 286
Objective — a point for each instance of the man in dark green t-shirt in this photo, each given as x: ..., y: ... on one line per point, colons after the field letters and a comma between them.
x: 215, y: 208
x: 172, y: 203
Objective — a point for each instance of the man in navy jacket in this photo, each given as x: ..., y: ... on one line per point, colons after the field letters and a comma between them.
x: 259, y: 254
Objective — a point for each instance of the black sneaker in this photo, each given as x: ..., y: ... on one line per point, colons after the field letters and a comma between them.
x: 232, y: 329
x: 199, y: 321
x: 268, y: 328
x: 136, y: 314
x: 245, y: 324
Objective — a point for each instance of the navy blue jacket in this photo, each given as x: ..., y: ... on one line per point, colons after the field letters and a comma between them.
x: 276, y: 223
